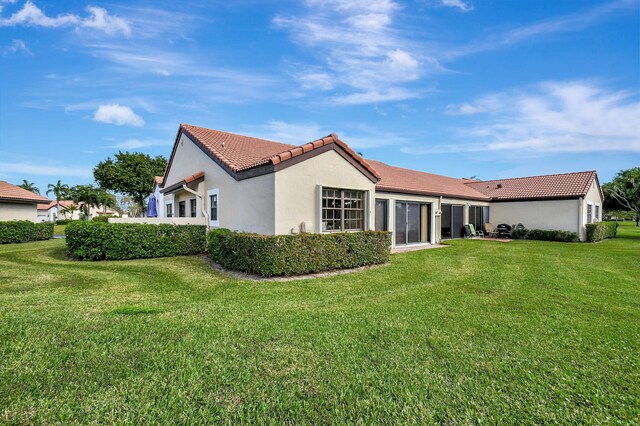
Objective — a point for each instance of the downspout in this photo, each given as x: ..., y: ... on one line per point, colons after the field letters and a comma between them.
x: 202, y: 208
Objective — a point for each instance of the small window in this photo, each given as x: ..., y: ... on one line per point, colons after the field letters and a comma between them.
x: 213, y: 202
x: 382, y: 215
x: 182, y: 209
x: 597, y: 215
x: 169, y: 210
x: 589, y: 213
x: 192, y: 206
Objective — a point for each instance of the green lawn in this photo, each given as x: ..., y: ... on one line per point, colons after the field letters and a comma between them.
x: 59, y: 229
x: 482, y: 331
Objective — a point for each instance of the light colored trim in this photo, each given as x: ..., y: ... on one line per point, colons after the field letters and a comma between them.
x: 319, y: 209
x: 214, y: 191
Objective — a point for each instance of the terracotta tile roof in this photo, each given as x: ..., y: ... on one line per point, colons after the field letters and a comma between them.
x: 63, y: 204
x: 240, y: 153
x: 396, y: 179
x: 193, y: 177
x: 566, y: 185
x: 9, y: 192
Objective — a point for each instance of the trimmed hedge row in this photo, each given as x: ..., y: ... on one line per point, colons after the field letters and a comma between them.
x: 22, y: 231
x: 66, y: 221
x: 275, y: 255
x: 601, y: 230
x: 118, y: 241
x: 103, y: 218
x: 544, y: 235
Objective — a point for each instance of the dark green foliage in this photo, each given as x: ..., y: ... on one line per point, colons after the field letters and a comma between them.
x: 118, y: 241
x: 601, y: 230
x: 276, y: 255
x: 22, y: 231
x: 544, y: 235
x: 65, y: 221
x: 103, y: 218
x: 130, y: 173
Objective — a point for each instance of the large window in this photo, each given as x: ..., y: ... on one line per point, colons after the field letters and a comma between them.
x: 412, y: 223
x: 182, y: 209
x: 478, y: 216
x: 192, y: 207
x: 169, y: 210
x: 342, y: 210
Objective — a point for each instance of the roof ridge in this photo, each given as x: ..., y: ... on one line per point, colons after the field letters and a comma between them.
x: 529, y: 177
x: 417, y: 171
x: 235, y: 134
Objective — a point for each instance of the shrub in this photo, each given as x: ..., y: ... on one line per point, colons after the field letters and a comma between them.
x: 601, y: 230
x: 118, y: 241
x: 65, y: 221
x: 273, y: 255
x: 103, y: 218
x: 544, y: 235
x: 22, y: 231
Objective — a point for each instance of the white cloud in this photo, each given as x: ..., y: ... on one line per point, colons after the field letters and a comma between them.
x: 15, y: 46
x: 375, y: 96
x: 573, y: 116
x: 459, y: 4
x: 365, y: 54
x: 118, y: 114
x: 98, y: 19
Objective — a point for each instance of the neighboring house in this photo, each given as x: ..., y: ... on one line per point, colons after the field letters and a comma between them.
x: 255, y: 185
x: 18, y: 204
x: 48, y: 212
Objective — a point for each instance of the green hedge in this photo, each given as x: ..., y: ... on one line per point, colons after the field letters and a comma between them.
x: 276, y: 255
x: 65, y: 221
x: 544, y: 235
x: 601, y: 230
x: 103, y: 218
x: 22, y: 231
x: 117, y: 241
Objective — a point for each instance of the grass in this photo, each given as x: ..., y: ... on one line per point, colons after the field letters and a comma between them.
x: 523, y: 332
x: 59, y: 229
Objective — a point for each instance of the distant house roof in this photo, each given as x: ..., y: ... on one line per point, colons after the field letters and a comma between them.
x: 566, y: 185
x: 237, y: 153
x: 10, y: 192
x: 396, y: 179
x: 63, y: 204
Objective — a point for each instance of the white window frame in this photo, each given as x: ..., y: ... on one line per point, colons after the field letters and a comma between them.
x: 169, y: 199
x: 216, y: 192
x: 586, y: 213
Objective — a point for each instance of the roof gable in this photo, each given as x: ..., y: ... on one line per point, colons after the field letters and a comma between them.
x: 10, y: 192
x: 565, y: 185
x: 245, y: 157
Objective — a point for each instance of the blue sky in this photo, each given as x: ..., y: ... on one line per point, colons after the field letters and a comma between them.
x: 493, y: 88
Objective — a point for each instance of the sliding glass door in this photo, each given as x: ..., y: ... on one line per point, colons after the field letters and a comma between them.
x: 452, y: 221
x: 412, y: 223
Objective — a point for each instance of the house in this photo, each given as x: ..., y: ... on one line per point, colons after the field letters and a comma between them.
x: 18, y: 204
x: 254, y: 185
x: 48, y: 212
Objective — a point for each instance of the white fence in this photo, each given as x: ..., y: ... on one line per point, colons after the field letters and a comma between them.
x: 159, y: 220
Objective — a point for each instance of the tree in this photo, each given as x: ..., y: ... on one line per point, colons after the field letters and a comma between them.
x: 70, y: 209
x: 130, y: 173
x: 29, y: 186
x: 88, y: 196
x: 60, y: 191
x: 625, y: 190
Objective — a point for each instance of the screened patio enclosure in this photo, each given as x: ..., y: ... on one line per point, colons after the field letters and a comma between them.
x: 412, y: 223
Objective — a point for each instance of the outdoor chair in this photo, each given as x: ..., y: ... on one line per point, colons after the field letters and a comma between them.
x: 490, y: 231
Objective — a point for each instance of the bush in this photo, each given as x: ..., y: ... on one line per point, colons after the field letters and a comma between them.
x: 22, y: 231
x: 601, y: 230
x: 118, y: 241
x: 103, y: 218
x: 65, y: 221
x: 274, y: 255
x: 544, y: 235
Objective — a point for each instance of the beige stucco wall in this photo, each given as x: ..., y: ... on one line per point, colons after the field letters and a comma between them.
x: 297, y: 190
x: 18, y: 211
x: 246, y: 205
x: 550, y: 215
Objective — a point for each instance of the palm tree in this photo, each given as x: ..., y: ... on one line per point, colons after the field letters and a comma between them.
x: 60, y: 190
x: 70, y: 209
x: 29, y: 186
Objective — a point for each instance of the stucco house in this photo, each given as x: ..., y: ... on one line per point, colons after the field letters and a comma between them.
x: 255, y: 185
x: 48, y: 212
x: 18, y: 204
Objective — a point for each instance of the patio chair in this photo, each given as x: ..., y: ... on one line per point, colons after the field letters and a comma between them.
x: 490, y: 231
